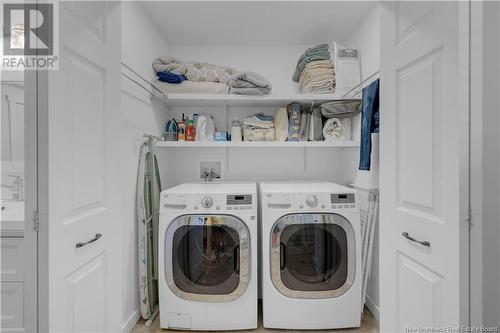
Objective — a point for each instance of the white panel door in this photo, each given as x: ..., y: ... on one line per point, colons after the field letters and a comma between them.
x: 84, y: 197
x: 424, y: 165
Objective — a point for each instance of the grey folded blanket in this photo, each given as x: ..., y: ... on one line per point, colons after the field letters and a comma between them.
x: 249, y: 83
x: 318, y: 52
x: 341, y: 108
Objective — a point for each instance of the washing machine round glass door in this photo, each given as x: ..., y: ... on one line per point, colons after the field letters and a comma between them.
x: 207, y: 257
x: 313, y: 255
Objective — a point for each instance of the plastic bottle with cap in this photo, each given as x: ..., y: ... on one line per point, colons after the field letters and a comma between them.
x: 236, y: 134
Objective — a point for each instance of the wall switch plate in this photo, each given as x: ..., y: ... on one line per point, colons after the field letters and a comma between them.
x: 210, y: 170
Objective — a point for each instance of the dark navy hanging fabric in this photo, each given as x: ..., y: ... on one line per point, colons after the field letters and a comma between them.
x: 369, y: 122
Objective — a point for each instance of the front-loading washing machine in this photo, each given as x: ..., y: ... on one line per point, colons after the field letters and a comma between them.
x: 208, y: 256
x: 311, y: 255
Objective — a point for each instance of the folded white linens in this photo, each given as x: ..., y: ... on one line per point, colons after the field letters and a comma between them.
x: 258, y: 134
x: 256, y: 122
x: 189, y: 87
x: 318, y: 77
x: 318, y: 87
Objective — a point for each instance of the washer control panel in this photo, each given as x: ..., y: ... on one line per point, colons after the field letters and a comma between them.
x: 342, y: 198
x: 239, y: 202
x: 311, y: 201
x: 221, y: 202
x: 207, y: 202
x: 243, y: 199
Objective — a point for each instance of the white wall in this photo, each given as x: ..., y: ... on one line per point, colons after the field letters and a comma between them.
x: 141, y: 43
x: 251, y: 164
x: 491, y: 165
x: 276, y: 63
x: 367, y: 39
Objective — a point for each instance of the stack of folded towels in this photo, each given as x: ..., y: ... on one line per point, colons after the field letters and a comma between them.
x: 177, y: 76
x: 315, y: 72
x: 318, y: 78
x: 258, y: 127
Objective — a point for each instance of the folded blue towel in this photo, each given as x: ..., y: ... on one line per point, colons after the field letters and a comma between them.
x: 170, y: 77
x: 264, y: 117
x: 318, y: 52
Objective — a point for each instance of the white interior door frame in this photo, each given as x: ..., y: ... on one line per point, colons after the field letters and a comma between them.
x: 31, y: 199
x: 476, y: 164
x: 41, y: 80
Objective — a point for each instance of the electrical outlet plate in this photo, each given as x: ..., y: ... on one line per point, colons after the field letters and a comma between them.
x: 208, y: 166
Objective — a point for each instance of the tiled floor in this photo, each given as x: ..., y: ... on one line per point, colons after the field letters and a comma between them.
x: 368, y: 325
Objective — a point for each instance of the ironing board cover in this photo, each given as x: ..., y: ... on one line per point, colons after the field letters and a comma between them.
x: 148, y: 195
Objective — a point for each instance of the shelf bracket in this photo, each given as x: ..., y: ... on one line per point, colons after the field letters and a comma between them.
x: 226, y: 109
x: 304, y: 157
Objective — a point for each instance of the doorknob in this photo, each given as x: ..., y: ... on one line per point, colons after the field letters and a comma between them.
x: 407, y: 236
x: 82, y: 244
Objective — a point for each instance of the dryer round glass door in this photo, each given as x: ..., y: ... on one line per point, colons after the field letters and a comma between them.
x: 207, y: 257
x: 312, y: 255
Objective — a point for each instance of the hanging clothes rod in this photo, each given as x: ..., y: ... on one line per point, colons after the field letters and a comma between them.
x: 357, y: 187
x: 137, y: 83
x: 142, y: 78
x: 154, y: 137
x: 362, y: 83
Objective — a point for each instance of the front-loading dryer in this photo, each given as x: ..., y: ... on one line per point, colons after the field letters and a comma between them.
x: 311, y: 255
x: 208, y: 256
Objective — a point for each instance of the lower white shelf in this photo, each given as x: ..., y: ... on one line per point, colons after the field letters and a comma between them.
x: 258, y: 144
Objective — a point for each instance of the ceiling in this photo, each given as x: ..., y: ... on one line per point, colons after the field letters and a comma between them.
x: 255, y: 22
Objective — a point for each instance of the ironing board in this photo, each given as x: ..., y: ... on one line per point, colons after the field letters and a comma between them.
x: 148, y: 194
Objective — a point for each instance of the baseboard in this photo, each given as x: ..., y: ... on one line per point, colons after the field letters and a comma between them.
x: 372, y: 307
x: 131, y: 321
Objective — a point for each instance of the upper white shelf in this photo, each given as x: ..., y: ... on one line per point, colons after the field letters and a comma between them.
x: 243, y: 100
x: 257, y: 144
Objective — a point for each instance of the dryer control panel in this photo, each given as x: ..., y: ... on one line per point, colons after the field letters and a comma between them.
x: 343, y: 200
x: 309, y: 201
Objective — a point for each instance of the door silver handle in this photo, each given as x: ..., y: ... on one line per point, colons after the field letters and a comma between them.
x: 407, y: 236
x: 82, y: 244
